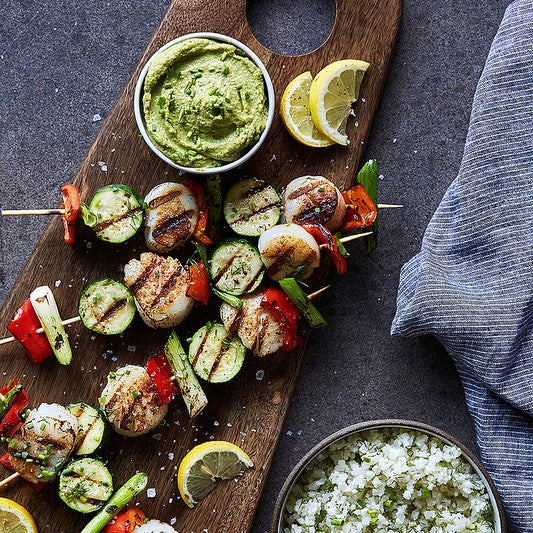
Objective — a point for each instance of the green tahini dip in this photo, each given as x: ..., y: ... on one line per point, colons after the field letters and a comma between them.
x: 204, y: 103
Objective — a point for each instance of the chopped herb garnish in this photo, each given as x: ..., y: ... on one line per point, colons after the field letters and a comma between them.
x: 161, y: 101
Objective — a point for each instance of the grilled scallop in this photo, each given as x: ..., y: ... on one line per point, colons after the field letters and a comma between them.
x: 256, y: 326
x: 287, y: 250
x: 131, y: 403
x: 160, y: 286
x: 44, y: 443
x: 171, y: 216
x: 154, y: 526
x: 313, y: 199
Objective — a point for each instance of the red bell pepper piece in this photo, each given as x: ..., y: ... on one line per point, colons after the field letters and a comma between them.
x: 323, y: 236
x: 11, y: 407
x: 126, y: 522
x: 200, y: 232
x: 360, y: 212
x: 23, y: 327
x: 199, y: 284
x: 279, y: 304
x: 71, y: 205
x: 161, y: 373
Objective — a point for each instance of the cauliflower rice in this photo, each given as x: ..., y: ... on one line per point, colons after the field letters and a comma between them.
x: 389, y: 480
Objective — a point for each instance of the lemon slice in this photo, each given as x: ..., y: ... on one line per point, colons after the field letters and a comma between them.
x: 331, y: 95
x: 14, y: 518
x: 205, y: 464
x: 296, y: 115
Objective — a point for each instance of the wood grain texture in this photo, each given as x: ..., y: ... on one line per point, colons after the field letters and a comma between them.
x: 245, y: 411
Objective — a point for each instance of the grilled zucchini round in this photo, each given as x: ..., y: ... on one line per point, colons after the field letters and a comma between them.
x: 85, y: 485
x: 251, y: 207
x: 236, y: 267
x: 106, y: 306
x: 115, y: 213
x: 216, y: 355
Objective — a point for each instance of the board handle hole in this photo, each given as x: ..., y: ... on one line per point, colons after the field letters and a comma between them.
x: 291, y: 27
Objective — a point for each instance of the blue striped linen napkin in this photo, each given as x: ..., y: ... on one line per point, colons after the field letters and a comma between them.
x: 471, y: 285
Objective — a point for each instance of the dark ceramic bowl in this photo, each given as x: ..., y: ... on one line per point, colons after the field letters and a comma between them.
x: 497, y: 506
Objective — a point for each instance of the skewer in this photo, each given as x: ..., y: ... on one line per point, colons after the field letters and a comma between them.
x: 72, y: 320
x: 75, y: 319
x: 21, y: 212
x: 389, y: 206
x: 9, y: 479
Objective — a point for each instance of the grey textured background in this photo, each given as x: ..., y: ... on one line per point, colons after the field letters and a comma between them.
x: 61, y: 62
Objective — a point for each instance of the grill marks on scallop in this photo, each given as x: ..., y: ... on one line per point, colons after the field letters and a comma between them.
x: 318, y: 209
x: 136, y: 286
x: 168, y: 286
x: 171, y: 216
x: 173, y: 227
x: 164, y: 199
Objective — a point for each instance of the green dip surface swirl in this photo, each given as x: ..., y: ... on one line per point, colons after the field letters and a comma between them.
x: 204, y: 103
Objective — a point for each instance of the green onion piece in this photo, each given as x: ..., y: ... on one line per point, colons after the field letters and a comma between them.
x: 293, y: 290
x: 132, y: 488
x: 202, y: 252
x: 425, y: 493
x: 368, y: 178
x: 8, y: 399
x: 228, y: 298
x: 342, y: 249
x: 45, y: 308
x: 214, y: 191
x: 337, y: 522
x: 225, y: 70
x: 190, y: 388
x: 88, y: 217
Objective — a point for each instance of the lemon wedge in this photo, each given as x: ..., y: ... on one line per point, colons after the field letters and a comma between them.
x: 331, y: 95
x: 14, y: 518
x: 295, y: 113
x: 205, y: 464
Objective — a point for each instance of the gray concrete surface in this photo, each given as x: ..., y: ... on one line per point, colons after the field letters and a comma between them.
x: 61, y: 62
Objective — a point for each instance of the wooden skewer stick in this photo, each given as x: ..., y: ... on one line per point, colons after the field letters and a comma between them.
x: 389, y: 206
x: 21, y: 212
x: 9, y: 479
x: 317, y: 293
x: 75, y: 319
x: 350, y: 238
x: 72, y: 320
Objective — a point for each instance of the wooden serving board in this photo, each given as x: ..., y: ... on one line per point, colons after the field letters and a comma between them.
x: 245, y: 411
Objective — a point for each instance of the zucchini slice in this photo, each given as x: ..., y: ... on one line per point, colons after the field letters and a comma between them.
x: 115, y: 213
x: 93, y: 429
x: 106, y: 306
x: 236, y: 267
x: 216, y: 355
x: 251, y: 207
x: 85, y: 485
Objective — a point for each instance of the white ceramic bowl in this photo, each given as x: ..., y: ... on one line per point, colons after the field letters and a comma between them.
x: 496, y: 503
x: 139, y: 116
